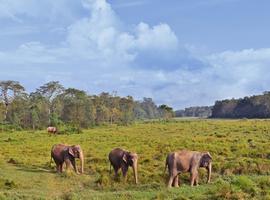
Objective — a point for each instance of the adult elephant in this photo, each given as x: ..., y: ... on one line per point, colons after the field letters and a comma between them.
x: 62, y: 153
x: 187, y: 161
x: 120, y: 158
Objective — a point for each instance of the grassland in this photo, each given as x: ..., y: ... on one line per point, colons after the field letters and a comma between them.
x: 240, y: 149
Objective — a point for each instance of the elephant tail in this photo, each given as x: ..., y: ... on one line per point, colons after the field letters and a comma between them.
x: 166, y: 164
x: 51, y: 161
x: 110, y: 168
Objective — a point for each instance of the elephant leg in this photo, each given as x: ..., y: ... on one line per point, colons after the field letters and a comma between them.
x: 170, y: 181
x: 197, y: 180
x: 175, y: 181
x: 58, y: 168
x: 116, y: 172
x: 61, y: 167
x: 173, y: 175
x: 193, y: 177
x: 68, y: 163
x: 73, y: 163
x: 124, y: 172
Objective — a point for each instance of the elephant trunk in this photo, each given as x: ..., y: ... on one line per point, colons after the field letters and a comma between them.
x: 135, y: 171
x: 209, y: 168
x: 82, y: 161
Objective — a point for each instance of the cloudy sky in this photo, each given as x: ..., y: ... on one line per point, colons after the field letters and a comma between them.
x: 179, y: 52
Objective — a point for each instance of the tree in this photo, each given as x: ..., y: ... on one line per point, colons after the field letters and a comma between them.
x: 18, y: 113
x: 139, y: 112
x: 38, y: 110
x: 76, y: 107
x: 166, y: 111
x: 9, y: 91
x: 126, y: 107
x: 150, y: 108
x: 51, y: 104
x: 50, y: 91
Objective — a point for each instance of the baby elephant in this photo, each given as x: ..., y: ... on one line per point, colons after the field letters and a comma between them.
x: 187, y: 161
x: 63, y: 153
x: 52, y: 129
x: 120, y: 158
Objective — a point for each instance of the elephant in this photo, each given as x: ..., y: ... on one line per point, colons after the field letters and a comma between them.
x: 187, y: 161
x: 52, y: 129
x: 64, y: 153
x: 120, y: 158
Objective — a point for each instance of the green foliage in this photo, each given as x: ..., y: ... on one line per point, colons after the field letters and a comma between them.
x: 53, y: 105
x: 70, y: 128
x: 257, y: 106
x: 246, y: 185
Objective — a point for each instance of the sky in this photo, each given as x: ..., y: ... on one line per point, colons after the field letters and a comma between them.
x: 179, y: 52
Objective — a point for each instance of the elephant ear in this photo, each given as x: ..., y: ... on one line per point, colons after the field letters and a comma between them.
x: 208, y: 154
x: 205, y: 159
x: 125, y: 158
x: 70, y: 151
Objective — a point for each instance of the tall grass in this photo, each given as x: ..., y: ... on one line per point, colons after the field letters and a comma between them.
x: 240, y: 151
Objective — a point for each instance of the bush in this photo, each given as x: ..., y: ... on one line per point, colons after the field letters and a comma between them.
x: 7, y: 184
x: 264, y: 185
x: 102, y: 181
x: 70, y: 129
x: 246, y: 185
x: 68, y: 196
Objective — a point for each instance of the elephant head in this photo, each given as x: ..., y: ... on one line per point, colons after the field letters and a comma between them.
x: 206, y: 162
x: 131, y: 159
x: 76, y: 152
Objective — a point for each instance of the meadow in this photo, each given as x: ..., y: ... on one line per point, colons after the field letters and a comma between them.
x: 240, y: 151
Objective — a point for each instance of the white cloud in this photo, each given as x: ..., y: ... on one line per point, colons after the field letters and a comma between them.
x: 103, y: 36
x: 100, y: 53
x: 246, y: 69
x: 159, y: 37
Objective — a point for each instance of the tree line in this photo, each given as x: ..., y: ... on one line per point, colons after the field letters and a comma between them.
x: 257, y: 106
x: 53, y: 105
x: 196, y: 111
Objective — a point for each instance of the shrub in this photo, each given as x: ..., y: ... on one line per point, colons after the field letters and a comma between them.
x: 71, y: 129
x: 9, y: 184
x: 246, y: 185
x: 102, y: 181
x: 264, y: 185
x: 68, y: 196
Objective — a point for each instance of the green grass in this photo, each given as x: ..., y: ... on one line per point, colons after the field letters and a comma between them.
x: 240, y: 150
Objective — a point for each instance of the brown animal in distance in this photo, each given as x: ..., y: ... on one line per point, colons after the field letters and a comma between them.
x: 52, y: 129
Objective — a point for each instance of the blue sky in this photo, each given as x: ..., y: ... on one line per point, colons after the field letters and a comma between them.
x: 179, y: 52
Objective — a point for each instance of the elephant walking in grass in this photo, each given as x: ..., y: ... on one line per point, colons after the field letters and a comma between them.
x: 187, y: 161
x: 120, y: 158
x: 66, y: 154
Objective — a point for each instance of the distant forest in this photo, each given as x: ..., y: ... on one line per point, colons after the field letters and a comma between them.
x: 257, y: 106
x: 196, y: 111
x: 54, y: 105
